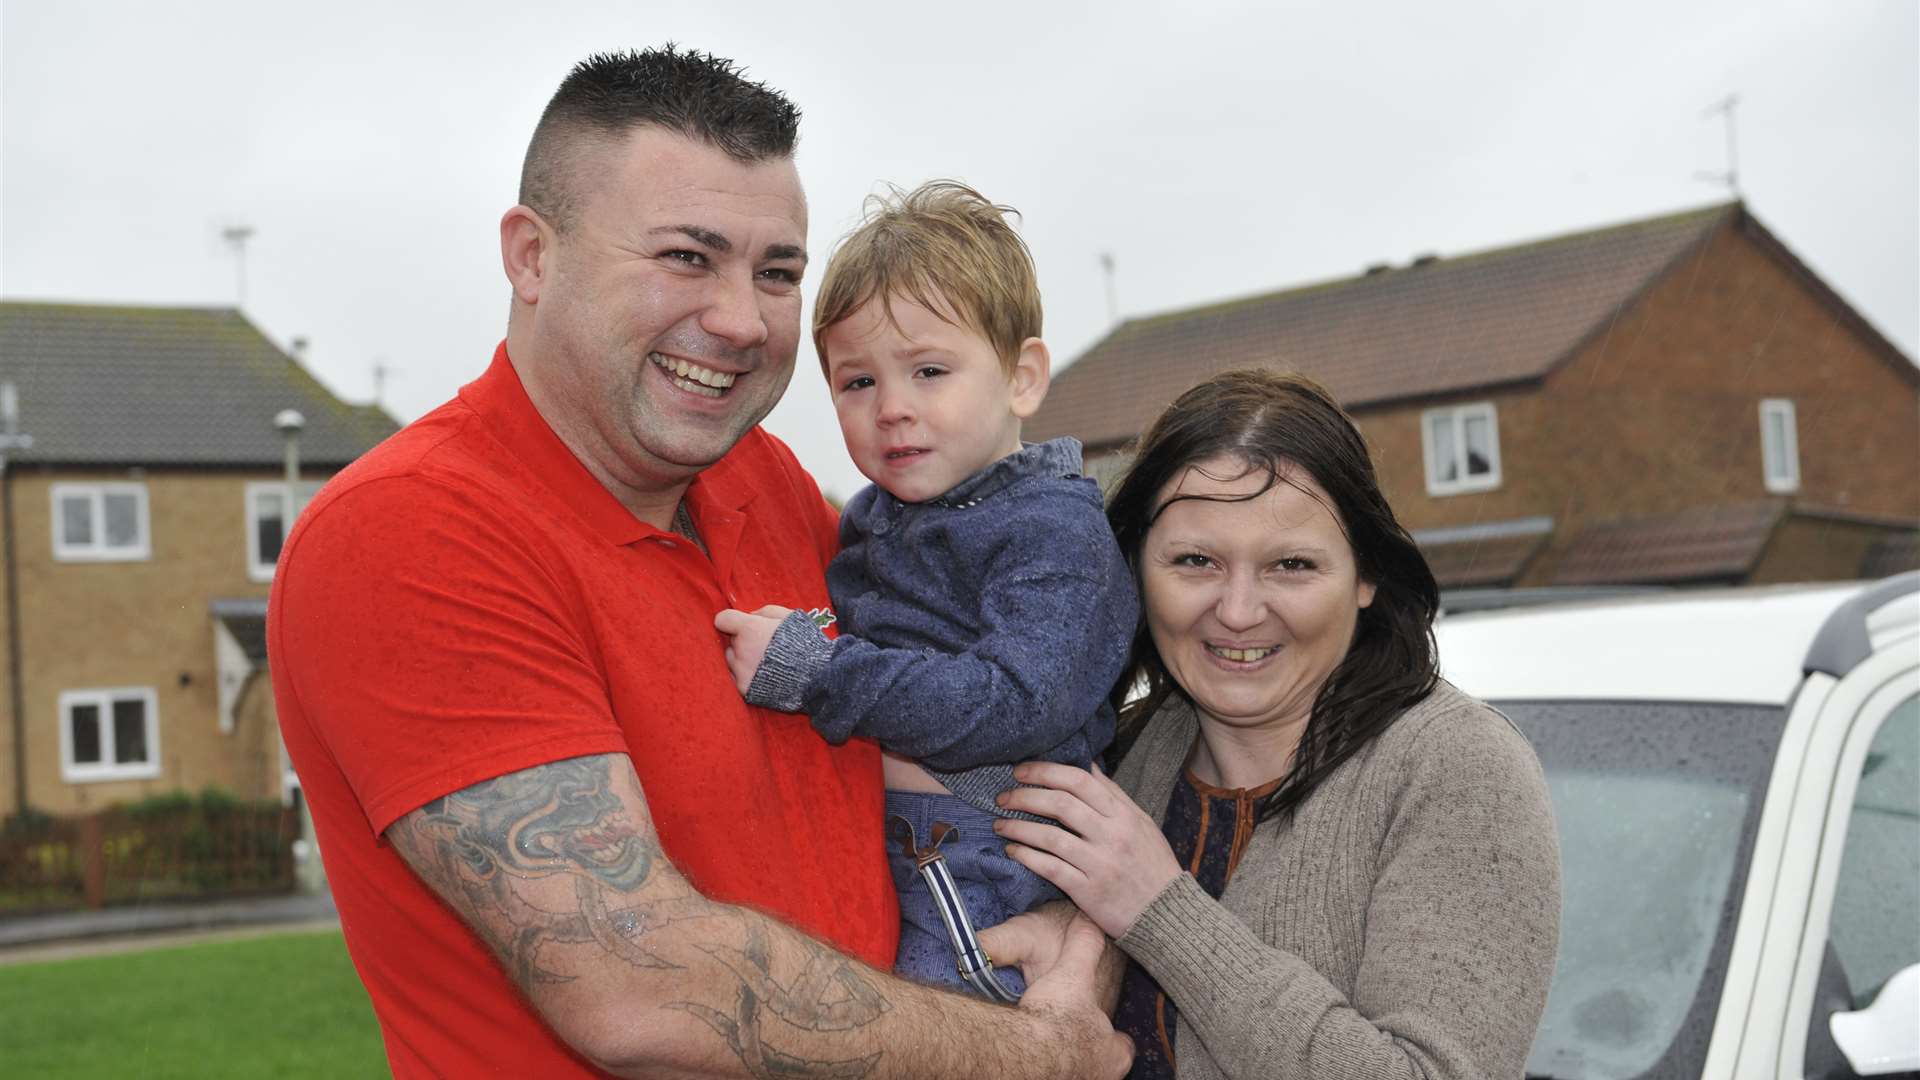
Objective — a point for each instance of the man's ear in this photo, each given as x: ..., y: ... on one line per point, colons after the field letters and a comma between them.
x: 526, y: 241
x: 1032, y: 373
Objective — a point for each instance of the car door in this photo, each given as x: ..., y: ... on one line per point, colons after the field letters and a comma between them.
x: 1840, y: 932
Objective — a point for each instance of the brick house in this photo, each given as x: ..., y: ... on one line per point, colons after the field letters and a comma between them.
x: 143, y: 512
x: 1672, y: 401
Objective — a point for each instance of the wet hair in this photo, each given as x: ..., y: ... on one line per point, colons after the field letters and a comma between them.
x: 1274, y: 424
x: 946, y: 248
x: 701, y: 96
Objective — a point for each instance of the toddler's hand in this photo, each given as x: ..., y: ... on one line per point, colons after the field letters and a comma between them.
x: 750, y: 632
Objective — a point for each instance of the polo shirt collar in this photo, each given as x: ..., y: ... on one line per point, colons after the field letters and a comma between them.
x: 500, y: 400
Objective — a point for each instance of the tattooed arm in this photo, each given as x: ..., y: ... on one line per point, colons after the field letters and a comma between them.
x: 558, y: 869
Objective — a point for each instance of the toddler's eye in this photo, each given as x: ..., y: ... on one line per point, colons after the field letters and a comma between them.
x: 858, y: 382
x: 929, y: 372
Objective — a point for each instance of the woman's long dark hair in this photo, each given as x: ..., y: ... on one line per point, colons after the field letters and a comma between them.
x: 1274, y: 423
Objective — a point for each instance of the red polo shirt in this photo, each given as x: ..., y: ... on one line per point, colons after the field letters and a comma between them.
x: 467, y: 601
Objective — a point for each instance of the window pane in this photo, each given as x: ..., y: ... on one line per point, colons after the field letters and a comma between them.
x: 1775, y: 440
x: 1876, y: 905
x: 123, y: 520
x: 130, y: 731
x: 1479, y: 445
x: 84, y: 721
x: 270, y: 525
x: 1445, y: 468
x: 76, y: 519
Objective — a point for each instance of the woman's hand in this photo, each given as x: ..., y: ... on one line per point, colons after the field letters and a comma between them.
x: 1113, y: 862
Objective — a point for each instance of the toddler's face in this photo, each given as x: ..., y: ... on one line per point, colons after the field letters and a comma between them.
x: 923, y: 404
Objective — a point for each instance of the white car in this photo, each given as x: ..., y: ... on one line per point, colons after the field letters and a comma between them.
x: 1736, y: 777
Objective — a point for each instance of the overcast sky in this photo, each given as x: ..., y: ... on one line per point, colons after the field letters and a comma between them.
x: 1227, y: 150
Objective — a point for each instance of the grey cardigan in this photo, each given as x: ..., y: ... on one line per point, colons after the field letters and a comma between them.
x: 1403, y: 924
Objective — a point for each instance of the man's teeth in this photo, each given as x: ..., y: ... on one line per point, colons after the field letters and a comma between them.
x: 1243, y: 656
x: 693, y: 377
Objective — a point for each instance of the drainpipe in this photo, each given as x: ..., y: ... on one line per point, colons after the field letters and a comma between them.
x: 11, y: 439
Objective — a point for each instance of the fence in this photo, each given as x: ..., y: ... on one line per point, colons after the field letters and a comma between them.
x: 170, y: 848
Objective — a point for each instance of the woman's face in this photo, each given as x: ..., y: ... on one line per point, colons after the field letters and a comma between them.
x: 1253, y: 603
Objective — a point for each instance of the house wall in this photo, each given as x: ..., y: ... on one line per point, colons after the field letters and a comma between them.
x: 1661, y: 412
x: 88, y: 625
x: 1808, y: 548
x: 8, y: 764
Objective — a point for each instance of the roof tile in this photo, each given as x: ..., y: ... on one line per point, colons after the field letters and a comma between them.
x: 1450, y: 325
x: 112, y: 385
x: 1489, y: 562
x: 1701, y: 544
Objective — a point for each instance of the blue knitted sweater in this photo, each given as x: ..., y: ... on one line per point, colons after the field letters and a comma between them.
x: 977, y: 630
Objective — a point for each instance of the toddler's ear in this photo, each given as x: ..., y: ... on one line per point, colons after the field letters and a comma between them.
x: 1032, y: 372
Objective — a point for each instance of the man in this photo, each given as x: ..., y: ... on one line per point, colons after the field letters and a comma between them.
x: 497, y: 675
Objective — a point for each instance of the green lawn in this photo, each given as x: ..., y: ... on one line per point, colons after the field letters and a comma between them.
x: 283, y: 1006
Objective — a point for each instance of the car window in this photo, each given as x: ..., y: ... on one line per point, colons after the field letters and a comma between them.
x: 1656, y: 804
x: 1876, y: 905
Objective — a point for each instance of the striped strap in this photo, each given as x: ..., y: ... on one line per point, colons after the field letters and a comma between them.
x: 975, y: 966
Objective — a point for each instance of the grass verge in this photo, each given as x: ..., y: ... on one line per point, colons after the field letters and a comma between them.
x: 287, y: 1005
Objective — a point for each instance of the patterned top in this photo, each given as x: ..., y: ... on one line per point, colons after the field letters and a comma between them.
x: 1208, y: 828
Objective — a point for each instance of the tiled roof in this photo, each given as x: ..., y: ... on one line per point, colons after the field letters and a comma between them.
x: 1441, y: 326
x: 1702, y: 544
x: 1483, y: 555
x: 114, y: 385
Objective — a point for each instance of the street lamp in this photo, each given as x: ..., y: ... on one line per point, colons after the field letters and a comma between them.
x: 307, y: 866
x: 290, y: 422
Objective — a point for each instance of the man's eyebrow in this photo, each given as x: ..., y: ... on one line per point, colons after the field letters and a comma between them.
x: 707, y: 238
x: 702, y: 236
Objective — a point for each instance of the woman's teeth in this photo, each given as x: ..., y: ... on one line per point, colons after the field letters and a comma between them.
x: 1243, y: 656
x: 692, y: 377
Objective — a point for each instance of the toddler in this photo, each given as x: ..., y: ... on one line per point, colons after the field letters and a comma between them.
x: 983, y: 610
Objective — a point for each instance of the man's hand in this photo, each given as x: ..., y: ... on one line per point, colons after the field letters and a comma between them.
x: 1071, y: 991
x: 750, y: 632
x: 1032, y: 942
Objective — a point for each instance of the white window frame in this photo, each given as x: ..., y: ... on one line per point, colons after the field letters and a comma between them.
x: 1458, y: 415
x: 106, y: 768
x: 96, y: 549
x: 1779, y: 483
x: 260, y: 569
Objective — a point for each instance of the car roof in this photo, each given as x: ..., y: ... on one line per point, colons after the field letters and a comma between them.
x: 1747, y: 644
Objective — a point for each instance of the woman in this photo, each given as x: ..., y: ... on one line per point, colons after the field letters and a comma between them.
x: 1346, y: 867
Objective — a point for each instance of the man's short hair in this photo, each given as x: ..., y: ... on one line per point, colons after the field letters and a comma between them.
x: 946, y: 248
x: 701, y: 96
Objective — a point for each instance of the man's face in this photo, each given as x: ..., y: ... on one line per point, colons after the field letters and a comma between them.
x: 669, y: 312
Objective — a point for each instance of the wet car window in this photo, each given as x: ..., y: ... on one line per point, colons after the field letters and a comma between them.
x: 1876, y: 904
x: 1656, y: 805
